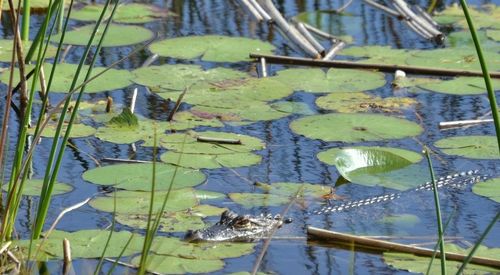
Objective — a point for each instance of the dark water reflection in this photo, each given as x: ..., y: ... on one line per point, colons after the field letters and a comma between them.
x: 288, y: 157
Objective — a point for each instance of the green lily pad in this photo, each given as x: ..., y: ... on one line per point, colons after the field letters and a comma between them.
x: 464, y: 39
x: 125, y: 13
x: 78, y: 130
x: 354, y: 127
x: 179, y: 76
x: 334, y: 80
x: 291, y: 107
x: 117, y: 35
x: 249, y: 200
x: 489, y: 189
x: 213, y: 48
x: 247, y: 111
x: 378, y: 54
x: 176, y: 265
x: 6, y: 50
x: 361, y: 102
x: 139, y: 176
x: 189, y: 144
x: 419, y: 264
x: 476, y: 147
x: 111, y: 80
x: 173, y: 222
x: 487, y: 16
x: 460, y: 86
x: 33, y: 187
x: 208, y: 195
x: 408, y: 82
x: 401, y: 220
x: 493, y: 34
x: 453, y: 58
x: 125, y: 119
x: 330, y: 155
x: 91, y: 243
x: 134, y: 202
x: 198, y: 161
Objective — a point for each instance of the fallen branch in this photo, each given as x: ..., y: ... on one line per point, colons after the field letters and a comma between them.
x: 336, y: 48
x: 218, y: 140
x: 299, y: 61
x: 462, y: 123
x: 332, y: 236
x: 125, y: 160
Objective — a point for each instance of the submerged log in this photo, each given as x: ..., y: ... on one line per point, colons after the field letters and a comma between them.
x: 332, y: 236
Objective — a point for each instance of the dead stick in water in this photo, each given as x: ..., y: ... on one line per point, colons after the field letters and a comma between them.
x: 218, y: 140
x: 299, y: 61
x: 332, y: 236
x: 462, y: 123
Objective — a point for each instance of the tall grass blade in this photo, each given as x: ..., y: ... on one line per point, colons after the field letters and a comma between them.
x: 25, y: 32
x: 112, y: 229
x: 439, y: 242
x: 484, y: 68
x: 438, y: 213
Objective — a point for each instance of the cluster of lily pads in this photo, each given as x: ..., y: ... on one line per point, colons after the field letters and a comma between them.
x: 222, y: 96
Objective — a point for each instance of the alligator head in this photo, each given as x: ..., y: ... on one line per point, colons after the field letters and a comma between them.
x: 238, y: 228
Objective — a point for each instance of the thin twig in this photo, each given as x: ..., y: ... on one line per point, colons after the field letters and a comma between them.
x: 64, y: 212
x: 336, y: 48
x: 125, y: 160
x: 134, y: 98
x: 462, y: 123
x: 218, y: 140
x: 5, y: 246
x: 177, y: 104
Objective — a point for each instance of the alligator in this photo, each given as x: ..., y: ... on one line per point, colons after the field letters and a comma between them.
x: 247, y: 228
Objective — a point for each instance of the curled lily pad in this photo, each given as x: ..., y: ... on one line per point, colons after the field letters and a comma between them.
x: 117, y: 35
x: 477, y: 147
x: 361, y: 102
x: 111, y: 80
x: 354, y: 127
x: 175, y: 221
x: 198, y: 161
x: 170, y: 77
x: 135, y: 202
x: 377, y: 54
x: 489, y: 189
x: 33, y: 187
x: 91, y: 243
x: 6, y: 49
x: 417, y: 264
x: 213, y: 48
x: 330, y: 155
x: 125, y: 13
x: 139, y: 176
x: 460, y: 86
x: 334, y: 80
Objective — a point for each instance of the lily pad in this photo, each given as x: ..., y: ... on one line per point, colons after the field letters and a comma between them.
x: 177, y: 77
x: 117, y: 35
x: 125, y: 13
x: 493, y: 34
x: 198, y: 161
x: 111, y: 80
x: 176, y: 265
x: 330, y: 155
x: 134, y: 202
x: 378, y: 54
x: 334, y: 80
x: 464, y: 39
x: 213, y: 48
x: 6, y: 49
x: 249, y: 200
x: 354, y: 127
x: 487, y: 16
x: 419, y: 264
x: 453, y: 58
x: 401, y: 220
x: 361, y: 102
x: 460, y: 86
x: 33, y: 187
x: 489, y: 189
x: 91, y: 243
x: 139, y: 176
x: 78, y: 130
x: 476, y: 147
x: 291, y: 107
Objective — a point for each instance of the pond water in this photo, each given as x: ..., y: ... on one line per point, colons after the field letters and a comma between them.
x: 288, y: 157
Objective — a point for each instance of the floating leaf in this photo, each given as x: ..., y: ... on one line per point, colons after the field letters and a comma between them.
x: 290, y: 189
x: 361, y: 102
x: 334, y: 80
x: 249, y: 111
x: 134, y: 202
x: 213, y: 48
x: 489, y: 189
x: 464, y: 39
x: 460, y: 86
x: 198, y: 161
x: 179, y: 76
x: 125, y: 119
x: 417, y: 264
x: 487, y: 16
x: 354, y: 127
x: 329, y: 155
x: 33, y: 187
x: 91, y: 243
x: 401, y: 220
x: 249, y: 200
x: 477, y: 147
x: 139, y: 176
x: 111, y: 80
x: 6, y: 48
x: 493, y: 34
x: 453, y: 58
x: 378, y: 54
x: 78, y: 130
x: 208, y: 195
x: 291, y: 107
x: 125, y: 13
x: 117, y: 35
x: 175, y: 265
